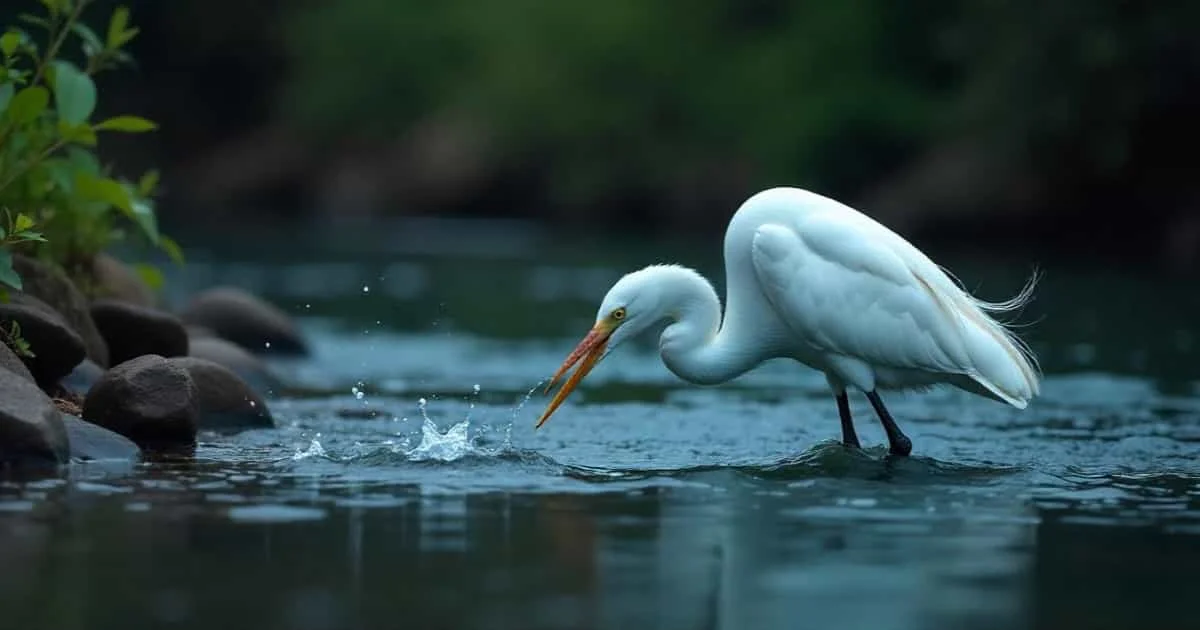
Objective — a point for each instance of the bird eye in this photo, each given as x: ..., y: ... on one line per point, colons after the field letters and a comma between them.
x: 619, y: 313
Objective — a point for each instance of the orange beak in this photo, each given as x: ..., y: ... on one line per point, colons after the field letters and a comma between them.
x: 589, y: 350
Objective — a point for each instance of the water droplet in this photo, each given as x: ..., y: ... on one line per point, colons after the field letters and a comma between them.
x: 366, y: 289
x: 476, y: 388
x: 267, y: 344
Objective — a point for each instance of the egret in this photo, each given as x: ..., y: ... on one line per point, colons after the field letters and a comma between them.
x: 814, y: 280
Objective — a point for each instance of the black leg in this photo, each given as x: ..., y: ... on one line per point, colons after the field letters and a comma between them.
x: 898, y: 443
x: 849, y: 437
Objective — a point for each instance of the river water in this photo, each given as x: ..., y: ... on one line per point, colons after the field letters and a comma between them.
x: 405, y: 485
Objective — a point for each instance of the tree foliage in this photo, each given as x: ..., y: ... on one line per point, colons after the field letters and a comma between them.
x: 51, y: 176
x: 628, y: 93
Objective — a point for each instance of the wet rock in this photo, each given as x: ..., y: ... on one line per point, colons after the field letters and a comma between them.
x: 246, y: 320
x: 115, y: 280
x: 90, y: 442
x: 199, y: 332
x: 82, y: 377
x: 9, y: 361
x: 52, y: 286
x: 31, y: 429
x: 54, y: 343
x: 249, y: 367
x: 148, y: 400
x: 131, y: 331
x: 226, y: 401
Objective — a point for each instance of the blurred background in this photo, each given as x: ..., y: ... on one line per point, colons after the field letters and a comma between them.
x: 1062, y: 127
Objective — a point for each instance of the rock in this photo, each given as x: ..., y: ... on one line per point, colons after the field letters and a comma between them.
x: 245, y: 320
x: 148, y: 400
x: 226, y: 401
x: 89, y: 442
x: 131, y: 331
x: 56, y: 346
x: 236, y: 358
x: 31, y: 429
x: 11, y: 362
x: 82, y: 377
x: 116, y: 281
x: 52, y: 286
x: 200, y: 332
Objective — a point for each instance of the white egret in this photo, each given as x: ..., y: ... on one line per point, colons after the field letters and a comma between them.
x: 811, y: 279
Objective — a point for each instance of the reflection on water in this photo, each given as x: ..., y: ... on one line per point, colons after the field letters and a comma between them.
x: 406, y: 487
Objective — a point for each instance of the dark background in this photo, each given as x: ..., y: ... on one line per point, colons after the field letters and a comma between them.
x: 1066, y: 127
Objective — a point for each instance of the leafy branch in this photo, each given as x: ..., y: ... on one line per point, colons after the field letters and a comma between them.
x: 49, y: 170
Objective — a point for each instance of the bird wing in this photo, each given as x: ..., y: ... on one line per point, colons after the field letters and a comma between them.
x: 843, y: 290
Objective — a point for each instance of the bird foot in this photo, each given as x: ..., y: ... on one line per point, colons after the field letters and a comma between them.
x: 901, y: 446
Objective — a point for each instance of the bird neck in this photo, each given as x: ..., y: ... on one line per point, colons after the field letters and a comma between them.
x: 697, y: 346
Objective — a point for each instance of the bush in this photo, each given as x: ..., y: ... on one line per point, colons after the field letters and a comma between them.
x: 60, y: 202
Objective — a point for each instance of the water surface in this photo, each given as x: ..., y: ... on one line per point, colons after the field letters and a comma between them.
x: 406, y: 487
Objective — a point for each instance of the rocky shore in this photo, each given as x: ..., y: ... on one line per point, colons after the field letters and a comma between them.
x: 122, y: 377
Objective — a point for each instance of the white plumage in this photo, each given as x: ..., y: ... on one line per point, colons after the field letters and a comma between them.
x: 814, y: 280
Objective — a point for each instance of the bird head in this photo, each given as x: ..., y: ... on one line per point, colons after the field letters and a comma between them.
x: 629, y: 307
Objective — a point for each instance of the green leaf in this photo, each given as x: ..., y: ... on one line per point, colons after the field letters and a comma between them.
x: 8, y: 275
x: 30, y: 235
x: 148, y: 183
x: 172, y: 249
x: 28, y: 104
x: 142, y: 213
x: 83, y: 160
x: 61, y: 174
x: 128, y: 124
x: 9, y: 43
x: 78, y: 134
x: 118, y: 33
x: 22, y: 223
x: 92, y: 188
x: 151, y: 275
x: 6, y: 94
x: 75, y: 93
x: 91, y: 42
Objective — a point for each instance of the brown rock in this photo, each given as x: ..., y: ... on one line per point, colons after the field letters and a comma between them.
x: 52, y: 286
x: 237, y: 359
x: 11, y: 362
x: 131, y: 331
x: 246, y: 320
x: 56, y: 347
x: 31, y: 429
x: 115, y: 280
x: 148, y: 400
x: 226, y: 401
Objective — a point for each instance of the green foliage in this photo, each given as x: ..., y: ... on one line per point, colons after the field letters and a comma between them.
x: 14, y: 231
x: 676, y: 87
x: 50, y: 173
x: 11, y: 337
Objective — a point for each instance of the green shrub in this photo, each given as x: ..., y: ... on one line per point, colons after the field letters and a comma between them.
x: 51, y: 177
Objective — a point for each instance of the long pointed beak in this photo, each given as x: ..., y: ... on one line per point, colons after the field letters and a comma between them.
x: 589, y: 350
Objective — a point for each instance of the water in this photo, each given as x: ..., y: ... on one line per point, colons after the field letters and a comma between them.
x: 405, y: 485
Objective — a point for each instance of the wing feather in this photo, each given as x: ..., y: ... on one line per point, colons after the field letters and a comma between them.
x: 845, y: 294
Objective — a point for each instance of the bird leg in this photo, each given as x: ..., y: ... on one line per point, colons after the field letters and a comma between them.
x: 898, y: 443
x: 849, y: 436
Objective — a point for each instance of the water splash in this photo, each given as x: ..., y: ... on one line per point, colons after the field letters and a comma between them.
x: 450, y: 446
x: 314, y: 450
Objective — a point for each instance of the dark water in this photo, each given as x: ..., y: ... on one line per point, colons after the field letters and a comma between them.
x: 405, y: 486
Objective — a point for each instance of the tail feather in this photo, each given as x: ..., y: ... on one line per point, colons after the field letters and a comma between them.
x: 1004, y: 363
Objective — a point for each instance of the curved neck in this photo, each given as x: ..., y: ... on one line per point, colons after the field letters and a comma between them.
x: 697, y: 346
